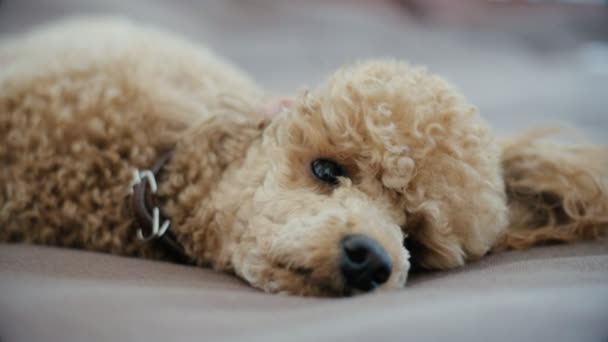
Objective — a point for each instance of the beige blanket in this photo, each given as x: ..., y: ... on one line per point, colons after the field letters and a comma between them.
x: 547, y: 294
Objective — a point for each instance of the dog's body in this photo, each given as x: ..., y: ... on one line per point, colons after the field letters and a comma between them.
x: 84, y: 104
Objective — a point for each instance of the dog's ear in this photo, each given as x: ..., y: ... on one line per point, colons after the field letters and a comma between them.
x: 207, y: 149
x: 557, y: 192
x: 203, y: 168
x: 224, y: 138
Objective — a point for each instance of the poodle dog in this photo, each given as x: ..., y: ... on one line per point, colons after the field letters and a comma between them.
x: 122, y: 139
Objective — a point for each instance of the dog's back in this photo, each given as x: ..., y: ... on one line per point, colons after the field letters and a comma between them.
x: 82, y: 104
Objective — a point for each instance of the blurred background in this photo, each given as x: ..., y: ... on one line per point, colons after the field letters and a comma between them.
x: 523, y: 63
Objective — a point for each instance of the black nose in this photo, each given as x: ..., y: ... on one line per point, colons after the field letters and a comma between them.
x: 365, y: 265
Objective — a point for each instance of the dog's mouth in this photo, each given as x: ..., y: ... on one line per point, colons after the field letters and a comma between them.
x: 305, y: 272
x: 322, y: 287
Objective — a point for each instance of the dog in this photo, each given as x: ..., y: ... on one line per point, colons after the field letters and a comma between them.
x: 123, y: 139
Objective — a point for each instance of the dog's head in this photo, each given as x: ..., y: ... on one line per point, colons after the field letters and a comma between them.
x: 322, y: 200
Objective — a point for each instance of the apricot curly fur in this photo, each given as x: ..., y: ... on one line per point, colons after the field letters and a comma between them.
x: 77, y: 115
x: 557, y: 193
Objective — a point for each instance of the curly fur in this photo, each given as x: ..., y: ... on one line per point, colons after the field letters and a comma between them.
x: 77, y: 115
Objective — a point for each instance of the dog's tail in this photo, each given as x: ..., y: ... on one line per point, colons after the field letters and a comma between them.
x: 557, y: 193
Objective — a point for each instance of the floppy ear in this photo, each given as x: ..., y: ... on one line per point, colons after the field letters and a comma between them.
x: 557, y: 192
x: 198, y: 193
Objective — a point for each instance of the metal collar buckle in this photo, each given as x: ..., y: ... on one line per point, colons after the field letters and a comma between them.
x: 158, y: 230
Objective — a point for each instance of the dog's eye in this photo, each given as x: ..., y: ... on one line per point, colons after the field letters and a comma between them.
x: 328, y: 171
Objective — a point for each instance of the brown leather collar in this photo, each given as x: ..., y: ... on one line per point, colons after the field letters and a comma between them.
x: 153, y: 224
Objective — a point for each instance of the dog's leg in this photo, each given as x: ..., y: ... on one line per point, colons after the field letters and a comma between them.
x: 557, y: 193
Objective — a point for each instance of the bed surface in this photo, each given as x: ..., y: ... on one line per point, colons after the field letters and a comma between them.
x: 547, y: 294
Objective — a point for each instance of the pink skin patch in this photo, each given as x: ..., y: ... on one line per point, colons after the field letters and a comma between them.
x: 277, y: 105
